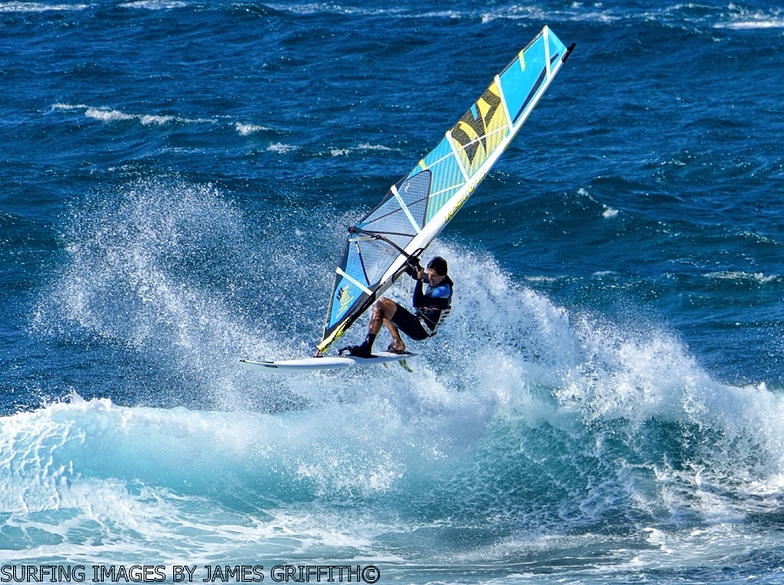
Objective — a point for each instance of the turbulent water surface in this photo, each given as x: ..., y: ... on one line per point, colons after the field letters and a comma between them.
x: 604, y: 405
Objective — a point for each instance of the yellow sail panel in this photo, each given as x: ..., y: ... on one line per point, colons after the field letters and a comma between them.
x: 481, y: 130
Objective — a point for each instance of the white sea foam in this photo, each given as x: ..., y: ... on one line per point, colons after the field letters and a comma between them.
x: 515, y: 12
x: 106, y: 115
x: 248, y: 129
x: 334, y: 8
x: 154, y: 4
x: 120, y: 283
x: 281, y: 148
x: 731, y: 17
x: 95, y: 471
x: 111, y: 115
x: 69, y: 107
x: 359, y: 148
x: 366, y: 146
x: 40, y: 7
x: 759, y: 237
x: 757, y: 277
x: 609, y: 212
x: 751, y: 24
x: 148, y: 119
x: 739, y: 18
x: 519, y: 412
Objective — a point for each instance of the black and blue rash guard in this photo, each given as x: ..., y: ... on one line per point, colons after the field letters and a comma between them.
x: 433, y: 303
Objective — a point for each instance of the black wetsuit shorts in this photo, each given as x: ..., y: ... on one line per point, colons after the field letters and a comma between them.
x: 409, y: 324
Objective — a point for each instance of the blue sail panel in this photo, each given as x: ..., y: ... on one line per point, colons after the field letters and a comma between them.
x: 346, y: 293
x: 446, y: 173
x: 557, y: 48
x: 522, y: 79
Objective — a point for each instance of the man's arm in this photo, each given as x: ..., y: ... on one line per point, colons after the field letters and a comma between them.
x: 419, y: 295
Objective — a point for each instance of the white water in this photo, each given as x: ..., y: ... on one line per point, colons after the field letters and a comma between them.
x: 525, y: 432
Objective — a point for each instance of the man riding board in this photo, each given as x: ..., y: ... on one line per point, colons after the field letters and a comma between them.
x: 431, y: 307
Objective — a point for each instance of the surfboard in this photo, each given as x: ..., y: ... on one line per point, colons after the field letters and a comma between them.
x: 314, y: 364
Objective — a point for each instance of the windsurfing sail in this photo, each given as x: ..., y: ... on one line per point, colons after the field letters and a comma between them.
x: 418, y: 207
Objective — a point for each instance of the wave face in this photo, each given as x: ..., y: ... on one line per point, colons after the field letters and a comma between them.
x: 604, y: 403
x: 611, y: 444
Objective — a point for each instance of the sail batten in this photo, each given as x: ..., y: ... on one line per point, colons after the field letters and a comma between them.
x: 418, y: 207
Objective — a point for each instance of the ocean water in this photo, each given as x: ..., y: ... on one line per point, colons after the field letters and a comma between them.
x: 605, y: 403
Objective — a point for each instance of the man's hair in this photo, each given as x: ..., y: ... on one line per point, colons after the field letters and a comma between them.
x: 439, y: 265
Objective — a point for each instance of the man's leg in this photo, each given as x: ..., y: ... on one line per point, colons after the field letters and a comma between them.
x: 397, y: 342
x: 383, y: 311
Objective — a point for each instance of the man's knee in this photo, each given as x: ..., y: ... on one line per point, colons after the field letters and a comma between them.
x: 386, y: 306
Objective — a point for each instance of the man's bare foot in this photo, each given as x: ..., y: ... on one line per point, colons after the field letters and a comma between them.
x: 395, y: 348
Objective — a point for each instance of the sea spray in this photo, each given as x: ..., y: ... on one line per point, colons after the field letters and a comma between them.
x: 519, y: 421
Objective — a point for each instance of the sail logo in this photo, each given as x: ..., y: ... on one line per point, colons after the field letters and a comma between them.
x: 474, y: 128
x: 457, y: 206
x: 344, y: 298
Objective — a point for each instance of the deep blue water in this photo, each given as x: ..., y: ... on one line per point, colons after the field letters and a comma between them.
x: 606, y: 402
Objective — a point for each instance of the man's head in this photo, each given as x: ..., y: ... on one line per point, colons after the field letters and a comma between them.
x: 436, y: 271
x: 439, y: 265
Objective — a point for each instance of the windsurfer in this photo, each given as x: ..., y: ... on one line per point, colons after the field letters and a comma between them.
x: 431, y: 307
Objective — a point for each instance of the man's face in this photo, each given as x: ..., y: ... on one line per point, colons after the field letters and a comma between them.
x: 433, y: 278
